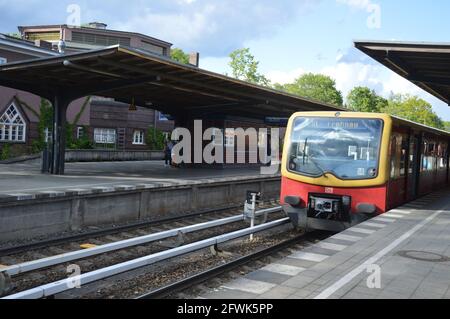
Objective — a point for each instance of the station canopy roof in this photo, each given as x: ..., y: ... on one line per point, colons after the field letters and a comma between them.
x: 425, y: 64
x: 129, y: 74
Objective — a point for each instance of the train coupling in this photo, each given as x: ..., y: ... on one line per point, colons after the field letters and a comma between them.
x: 325, y: 212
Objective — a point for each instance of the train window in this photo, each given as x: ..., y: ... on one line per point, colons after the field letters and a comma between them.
x: 403, y: 153
x: 432, y: 157
x: 412, y: 149
x: 429, y: 156
x: 442, y: 156
x: 394, y: 158
x: 346, y: 148
x: 424, y: 157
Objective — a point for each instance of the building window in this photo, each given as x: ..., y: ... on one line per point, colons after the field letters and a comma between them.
x: 99, y: 39
x: 138, y: 137
x: 167, y: 136
x: 229, y: 137
x: 3, y: 60
x: 104, y: 136
x: 80, y: 132
x: 47, y: 135
x: 217, y: 136
x: 12, y: 125
x: 152, y: 48
x: 162, y: 117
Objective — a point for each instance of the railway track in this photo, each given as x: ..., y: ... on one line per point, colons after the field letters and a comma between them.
x: 12, y: 249
x: 187, y: 276
x: 25, y: 277
x: 196, y: 283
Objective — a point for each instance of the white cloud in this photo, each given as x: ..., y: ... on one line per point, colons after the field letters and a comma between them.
x: 356, y: 4
x: 179, y: 27
x: 374, y: 19
x: 351, y: 74
x: 283, y: 77
x: 376, y: 77
x: 214, y: 28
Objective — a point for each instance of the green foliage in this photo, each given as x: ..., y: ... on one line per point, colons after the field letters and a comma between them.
x: 179, y: 56
x: 245, y: 67
x: 45, y: 121
x: 414, y: 109
x: 14, y: 35
x: 314, y: 86
x: 6, y: 152
x: 362, y: 99
x: 155, y: 139
x: 82, y: 143
x: 447, y: 126
x: 83, y: 107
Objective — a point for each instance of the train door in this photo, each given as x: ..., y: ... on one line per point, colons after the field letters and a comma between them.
x: 397, y: 181
x: 413, y: 167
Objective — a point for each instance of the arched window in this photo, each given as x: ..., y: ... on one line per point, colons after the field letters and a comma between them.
x: 12, y: 125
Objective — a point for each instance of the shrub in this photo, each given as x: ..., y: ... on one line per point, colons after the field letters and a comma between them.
x: 155, y: 139
x: 6, y: 152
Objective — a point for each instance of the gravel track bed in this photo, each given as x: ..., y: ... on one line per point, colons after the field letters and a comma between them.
x: 139, y: 282
x: 58, y: 272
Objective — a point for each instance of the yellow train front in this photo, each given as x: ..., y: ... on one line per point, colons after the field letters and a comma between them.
x: 341, y: 168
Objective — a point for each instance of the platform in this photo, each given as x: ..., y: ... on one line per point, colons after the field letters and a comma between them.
x: 400, y: 255
x: 104, y: 194
x: 26, y: 178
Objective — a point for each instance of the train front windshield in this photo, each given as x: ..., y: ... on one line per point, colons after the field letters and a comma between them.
x: 347, y: 148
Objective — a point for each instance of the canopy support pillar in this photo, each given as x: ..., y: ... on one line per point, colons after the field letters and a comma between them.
x: 60, y: 104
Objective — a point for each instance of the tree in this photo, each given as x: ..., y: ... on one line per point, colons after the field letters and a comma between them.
x: 245, y: 67
x: 179, y: 56
x: 362, y: 99
x: 414, y: 109
x: 447, y: 126
x: 45, y: 122
x: 14, y: 35
x: 315, y: 86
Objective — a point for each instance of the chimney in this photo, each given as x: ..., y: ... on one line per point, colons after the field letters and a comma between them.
x: 194, y: 59
x: 97, y: 25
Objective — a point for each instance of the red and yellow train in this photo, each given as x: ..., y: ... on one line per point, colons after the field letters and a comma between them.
x: 340, y: 168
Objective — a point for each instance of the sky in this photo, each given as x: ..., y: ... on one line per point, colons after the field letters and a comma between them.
x: 288, y: 37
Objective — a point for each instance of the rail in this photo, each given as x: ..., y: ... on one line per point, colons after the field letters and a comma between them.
x: 17, y: 269
x: 68, y: 283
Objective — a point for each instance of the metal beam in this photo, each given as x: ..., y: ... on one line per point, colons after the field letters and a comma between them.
x: 81, y: 91
x: 79, y: 67
x: 230, y: 92
x: 67, y: 284
x: 429, y: 79
x: 15, y: 270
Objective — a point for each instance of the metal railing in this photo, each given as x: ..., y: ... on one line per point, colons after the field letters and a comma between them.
x: 17, y: 269
x: 68, y: 283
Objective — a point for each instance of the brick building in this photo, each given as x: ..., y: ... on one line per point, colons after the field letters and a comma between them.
x: 108, y: 124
